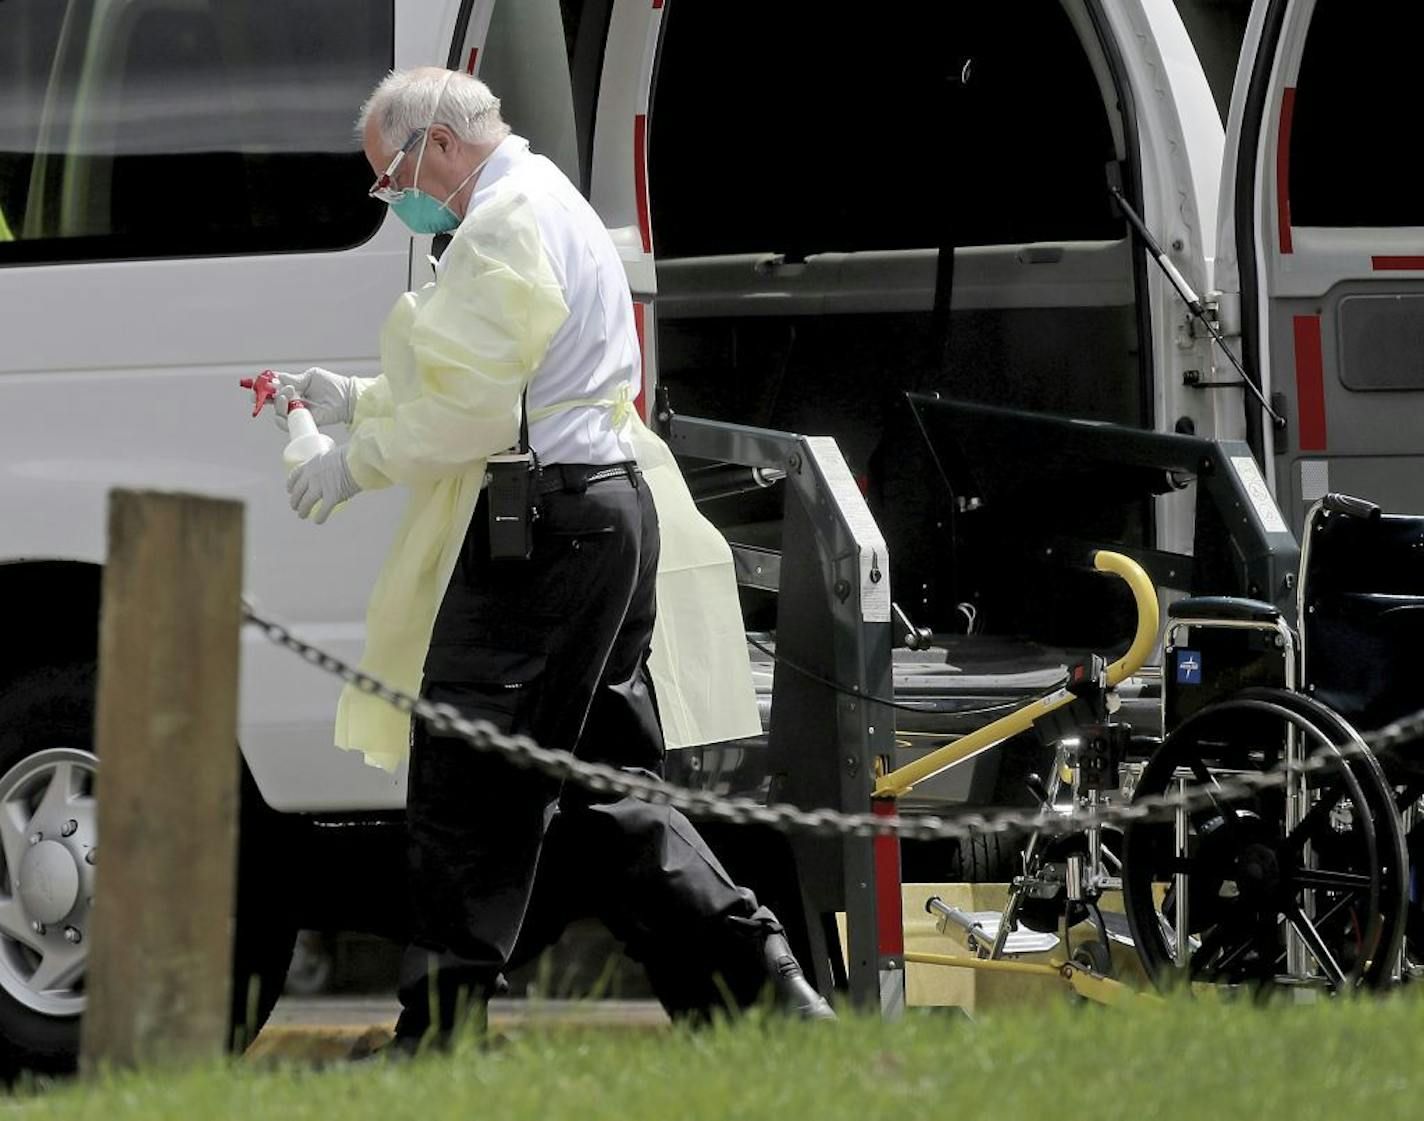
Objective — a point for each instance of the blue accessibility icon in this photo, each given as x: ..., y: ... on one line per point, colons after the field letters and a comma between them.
x: 1189, y: 667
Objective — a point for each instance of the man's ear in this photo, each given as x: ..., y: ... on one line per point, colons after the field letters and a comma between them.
x: 442, y: 138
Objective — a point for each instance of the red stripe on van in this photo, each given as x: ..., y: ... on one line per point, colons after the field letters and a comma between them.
x: 1310, y: 382
x: 889, y: 900
x: 639, y: 314
x: 474, y: 54
x: 640, y: 178
x: 657, y: 4
x: 1387, y: 264
x: 1283, y: 217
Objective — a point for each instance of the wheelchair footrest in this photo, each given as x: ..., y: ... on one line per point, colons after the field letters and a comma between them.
x: 984, y: 925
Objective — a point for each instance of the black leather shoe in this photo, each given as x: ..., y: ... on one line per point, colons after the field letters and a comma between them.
x: 793, y: 992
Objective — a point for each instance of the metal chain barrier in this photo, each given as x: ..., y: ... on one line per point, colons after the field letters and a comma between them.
x: 603, y: 779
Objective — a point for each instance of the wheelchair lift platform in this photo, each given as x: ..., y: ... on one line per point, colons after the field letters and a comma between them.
x: 840, y: 683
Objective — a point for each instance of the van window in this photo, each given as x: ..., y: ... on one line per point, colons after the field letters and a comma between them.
x: 155, y: 128
x: 1357, y: 97
x: 542, y: 59
x: 778, y: 127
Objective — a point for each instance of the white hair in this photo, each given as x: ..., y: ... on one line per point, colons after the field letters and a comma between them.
x: 407, y: 100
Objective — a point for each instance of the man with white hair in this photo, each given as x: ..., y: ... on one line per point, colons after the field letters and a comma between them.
x: 525, y: 345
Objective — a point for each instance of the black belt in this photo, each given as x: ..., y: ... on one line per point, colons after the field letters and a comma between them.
x: 575, y: 478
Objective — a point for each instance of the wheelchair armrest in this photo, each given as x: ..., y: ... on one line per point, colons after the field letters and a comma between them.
x: 1232, y: 608
x: 1350, y: 506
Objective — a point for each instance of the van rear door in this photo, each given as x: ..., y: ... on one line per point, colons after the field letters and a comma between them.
x: 617, y: 182
x: 1321, y: 240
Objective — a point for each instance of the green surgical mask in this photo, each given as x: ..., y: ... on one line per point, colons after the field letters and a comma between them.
x: 425, y: 214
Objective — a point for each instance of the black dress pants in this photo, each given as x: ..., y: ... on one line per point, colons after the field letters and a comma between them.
x: 502, y: 858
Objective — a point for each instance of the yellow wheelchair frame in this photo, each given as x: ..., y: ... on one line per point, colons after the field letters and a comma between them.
x: 1081, y: 979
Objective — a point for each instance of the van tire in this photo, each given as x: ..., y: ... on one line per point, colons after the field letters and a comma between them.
x: 45, y: 709
x: 987, y: 859
x: 265, y: 927
x: 53, y: 708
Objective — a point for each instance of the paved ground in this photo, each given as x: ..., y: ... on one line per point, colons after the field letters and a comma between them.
x: 328, y: 1028
x: 364, y: 1012
x: 331, y: 1011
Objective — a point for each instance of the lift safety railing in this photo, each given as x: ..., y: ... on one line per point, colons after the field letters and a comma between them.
x: 832, y: 576
x: 1024, y: 465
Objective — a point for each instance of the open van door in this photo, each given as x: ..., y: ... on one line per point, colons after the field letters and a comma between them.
x: 1321, y: 247
x: 618, y: 171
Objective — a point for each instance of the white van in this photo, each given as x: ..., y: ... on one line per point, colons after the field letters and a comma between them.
x: 184, y: 203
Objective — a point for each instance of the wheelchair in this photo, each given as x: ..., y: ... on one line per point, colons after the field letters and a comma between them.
x: 1310, y: 882
x: 1287, y: 854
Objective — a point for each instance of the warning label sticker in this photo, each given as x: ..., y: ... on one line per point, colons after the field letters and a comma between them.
x: 874, y: 557
x: 1260, y: 495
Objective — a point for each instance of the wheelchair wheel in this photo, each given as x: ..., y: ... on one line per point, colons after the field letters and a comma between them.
x: 1336, y: 879
x: 1399, y: 861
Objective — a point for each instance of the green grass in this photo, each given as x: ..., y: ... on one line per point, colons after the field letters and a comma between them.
x: 1348, y: 1059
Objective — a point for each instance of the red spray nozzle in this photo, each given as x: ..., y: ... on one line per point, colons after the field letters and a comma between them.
x: 264, y: 388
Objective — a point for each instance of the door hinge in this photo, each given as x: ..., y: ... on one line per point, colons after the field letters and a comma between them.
x: 1224, y: 311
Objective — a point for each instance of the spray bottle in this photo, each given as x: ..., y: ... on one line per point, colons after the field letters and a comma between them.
x: 304, y: 441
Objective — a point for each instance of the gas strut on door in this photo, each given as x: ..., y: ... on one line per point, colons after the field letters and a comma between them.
x: 1192, y: 300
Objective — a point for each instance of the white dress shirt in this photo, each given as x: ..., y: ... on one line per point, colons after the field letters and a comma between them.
x: 595, y: 353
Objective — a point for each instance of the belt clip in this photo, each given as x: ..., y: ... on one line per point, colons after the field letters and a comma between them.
x: 632, y: 472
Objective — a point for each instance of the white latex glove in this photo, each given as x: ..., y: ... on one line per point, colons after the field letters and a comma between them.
x: 331, y: 398
x: 321, y: 483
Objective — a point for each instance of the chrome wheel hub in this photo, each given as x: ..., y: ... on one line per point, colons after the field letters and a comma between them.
x: 49, y: 881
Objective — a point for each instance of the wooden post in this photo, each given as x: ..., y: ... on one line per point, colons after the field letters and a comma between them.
x: 160, y: 966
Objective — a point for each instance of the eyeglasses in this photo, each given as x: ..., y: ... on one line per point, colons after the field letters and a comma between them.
x: 383, y: 188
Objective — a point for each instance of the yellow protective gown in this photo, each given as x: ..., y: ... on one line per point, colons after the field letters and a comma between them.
x: 455, y: 358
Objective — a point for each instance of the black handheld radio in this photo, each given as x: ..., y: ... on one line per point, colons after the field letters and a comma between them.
x: 511, y: 482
